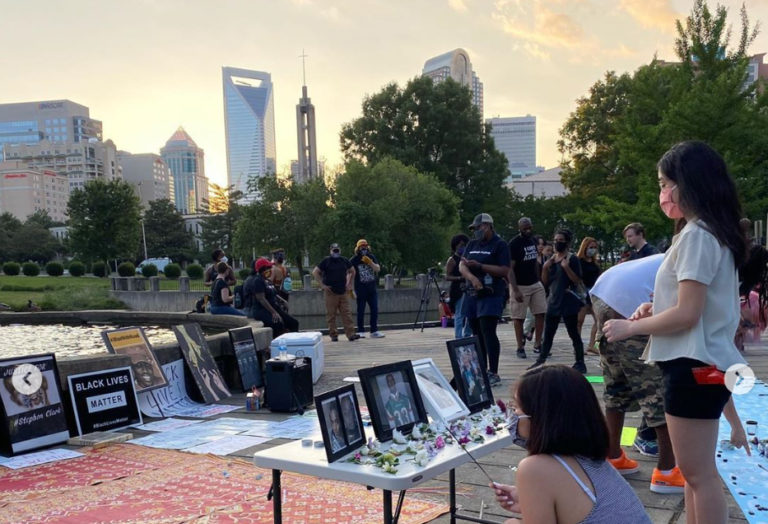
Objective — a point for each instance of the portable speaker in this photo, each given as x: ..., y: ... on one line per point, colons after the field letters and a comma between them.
x: 289, y: 384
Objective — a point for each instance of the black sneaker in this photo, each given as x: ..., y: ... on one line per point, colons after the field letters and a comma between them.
x: 334, y: 338
x: 521, y: 353
x: 354, y: 337
x: 537, y: 349
x: 494, y: 379
x: 580, y: 367
x: 538, y: 363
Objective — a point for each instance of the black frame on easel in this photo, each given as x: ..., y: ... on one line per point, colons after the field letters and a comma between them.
x: 459, y: 350
x: 372, y: 380
x: 242, y: 341
x: 333, y: 400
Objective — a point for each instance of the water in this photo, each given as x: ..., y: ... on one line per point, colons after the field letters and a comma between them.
x: 65, y: 341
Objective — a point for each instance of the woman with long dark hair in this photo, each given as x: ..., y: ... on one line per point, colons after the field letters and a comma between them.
x: 694, y: 316
x: 590, y: 270
x: 458, y: 284
x: 565, y: 478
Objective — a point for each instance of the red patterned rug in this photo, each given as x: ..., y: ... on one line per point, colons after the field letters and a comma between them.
x: 127, y: 483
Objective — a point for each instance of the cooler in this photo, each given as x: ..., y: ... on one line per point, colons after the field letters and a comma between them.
x: 306, y: 344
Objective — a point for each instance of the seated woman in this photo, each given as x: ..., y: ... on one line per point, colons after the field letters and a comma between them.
x: 565, y: 478
x: 265, y: 304
x: 221, y: 296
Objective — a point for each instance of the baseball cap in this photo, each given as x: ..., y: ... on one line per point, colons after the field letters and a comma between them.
x: 360, y: 243
x: 335, y: 246
x: 482, y: 218
x: 261, y: 263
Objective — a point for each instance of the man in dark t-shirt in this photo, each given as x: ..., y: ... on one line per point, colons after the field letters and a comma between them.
x: 525, y: 287
x: 634, y: 234
x: 336, y: 274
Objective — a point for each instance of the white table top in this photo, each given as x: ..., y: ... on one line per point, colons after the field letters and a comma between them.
x: 312, y: 461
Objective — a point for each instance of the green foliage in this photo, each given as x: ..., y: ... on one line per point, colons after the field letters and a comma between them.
x: 76, y: 268
x: 79, y: 299
x: 30, y: 240
x: 218, y: 229
x: 172, y: 271
x: 149, y: 270
x: 244, y: 273
x: 104, y: 220
x: 436, y: 129
x: 195, y: 271
x: 100, y: 269
x: 54, y: 269
x: 30, y: 269
x: 165, y: 232
x: 618, y: 132
x: 11, y: 268
x: 126, y: 269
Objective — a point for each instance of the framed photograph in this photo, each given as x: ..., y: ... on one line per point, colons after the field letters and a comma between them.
x: 104, y: 400
x: 201, y: 363
x: 340, y: 421
x: 249, y: 361
x: 440, y: 399
x: 30, y: 404
x: 147, y: 373
x: 468, y: 373
x: 393, y: 398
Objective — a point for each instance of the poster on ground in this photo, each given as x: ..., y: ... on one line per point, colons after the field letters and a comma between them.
x: 247, y: 357
x: 30, y: 396
x: 104, y: 400
x: 147, y: 373
x: 201, y: 363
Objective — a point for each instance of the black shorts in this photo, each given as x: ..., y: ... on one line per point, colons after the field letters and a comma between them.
x: 684, y: 397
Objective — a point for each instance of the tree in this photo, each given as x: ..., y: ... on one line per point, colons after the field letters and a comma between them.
x: 104, y: 220
x: 165, y: 232
x: 218, y: 198
x: 436, y: 129
x: 9, y: 226
x: 616, y: 135
x: 218, y: 229
x: 41, y: 218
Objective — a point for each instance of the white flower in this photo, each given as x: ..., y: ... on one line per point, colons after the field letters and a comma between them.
x: 422, y: 457
x: 398, y: 437
x: 364, y: 450
x: 416, y: 433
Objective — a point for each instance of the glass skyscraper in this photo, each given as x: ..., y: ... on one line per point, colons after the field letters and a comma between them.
x: 249, y: 124
x: 186, y: 162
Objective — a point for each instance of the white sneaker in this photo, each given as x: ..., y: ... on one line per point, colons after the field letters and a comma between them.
x: 377, y: 334
x: 361, y: 334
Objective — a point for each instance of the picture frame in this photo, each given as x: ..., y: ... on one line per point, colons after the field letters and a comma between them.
x: 471, y: 379
x: 338, y: 411
x: 104, y: 400
x: 131, y: 341
x: 441, y: 400
x: 31, y: 404
x: 393, y: 398
x: 249, y: 359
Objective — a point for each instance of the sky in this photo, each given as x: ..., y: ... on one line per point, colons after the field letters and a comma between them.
x: 146, y: 67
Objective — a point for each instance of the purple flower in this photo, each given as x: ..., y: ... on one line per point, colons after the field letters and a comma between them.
x: 502, y: 406
x: 464, y: 440
x: 489, y: 430
x: 358, y: 456
x: 439, y: 442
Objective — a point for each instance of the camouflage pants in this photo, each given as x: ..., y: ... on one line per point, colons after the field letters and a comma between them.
x: 630, y: 383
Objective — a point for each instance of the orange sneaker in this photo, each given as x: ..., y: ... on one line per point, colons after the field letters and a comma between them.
x: 624, y: 464
x: 671, y: 483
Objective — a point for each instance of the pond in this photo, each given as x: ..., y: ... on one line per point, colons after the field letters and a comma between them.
x: 66, y: 341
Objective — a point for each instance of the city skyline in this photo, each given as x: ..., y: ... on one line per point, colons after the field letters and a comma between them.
x: 147, y: 71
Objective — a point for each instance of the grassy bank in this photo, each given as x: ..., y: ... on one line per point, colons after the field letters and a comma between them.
x: 57, y: 293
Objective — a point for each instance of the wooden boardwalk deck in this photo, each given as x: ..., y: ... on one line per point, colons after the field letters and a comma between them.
x: 344, y: 358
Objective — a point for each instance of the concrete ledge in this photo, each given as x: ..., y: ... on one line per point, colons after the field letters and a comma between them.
x: 126, y: 318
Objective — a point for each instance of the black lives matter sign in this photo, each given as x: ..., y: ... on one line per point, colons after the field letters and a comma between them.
x: 104, y: 400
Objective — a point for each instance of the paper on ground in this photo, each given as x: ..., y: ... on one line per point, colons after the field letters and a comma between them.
x: 227, y: 445
x: 41, y: 457
x: 167, y: 424
x: 628, y: 436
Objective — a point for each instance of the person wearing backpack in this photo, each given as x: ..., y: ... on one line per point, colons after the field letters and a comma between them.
x: 281, y: 276
x: 221, y: 296
x: 262, y: 296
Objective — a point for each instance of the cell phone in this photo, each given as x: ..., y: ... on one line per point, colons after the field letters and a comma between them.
x: 708, y: 376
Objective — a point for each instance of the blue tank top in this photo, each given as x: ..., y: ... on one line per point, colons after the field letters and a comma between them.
x: 613, y: 498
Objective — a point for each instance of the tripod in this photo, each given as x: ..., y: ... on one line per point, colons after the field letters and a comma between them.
x: 424, y: 305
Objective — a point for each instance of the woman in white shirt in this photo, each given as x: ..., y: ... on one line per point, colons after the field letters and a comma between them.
x: 694, y: 317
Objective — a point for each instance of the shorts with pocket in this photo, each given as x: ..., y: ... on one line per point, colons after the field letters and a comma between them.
x: 684, y: 397
x: 534, y: 297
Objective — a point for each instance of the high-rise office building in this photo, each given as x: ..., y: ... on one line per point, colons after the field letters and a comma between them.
x: 57, y: 121
x: 516, y: 138
x: 249, y: 125
x: 24, y: 190
x: 186, y: 162
x: 307, y: 138
x: 456, y: 64
x: 81, y: 161
x: 149, y: 176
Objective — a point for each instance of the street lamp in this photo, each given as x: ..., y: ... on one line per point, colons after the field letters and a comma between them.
x: 144, y: 238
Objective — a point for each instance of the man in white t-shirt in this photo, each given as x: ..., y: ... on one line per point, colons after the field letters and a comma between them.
x: 630, y: 384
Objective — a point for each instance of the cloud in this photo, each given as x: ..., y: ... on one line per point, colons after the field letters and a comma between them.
x: 458, y: 5
x: 534, y: 22
x: 654, y: 14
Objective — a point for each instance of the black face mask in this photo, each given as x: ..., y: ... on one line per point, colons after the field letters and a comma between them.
x: 526, y: 233
x: 280, y: 258
x: 561, y: 246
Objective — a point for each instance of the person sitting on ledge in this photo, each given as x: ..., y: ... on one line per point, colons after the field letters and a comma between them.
x: 565, y: 478
x: 221, y: 296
